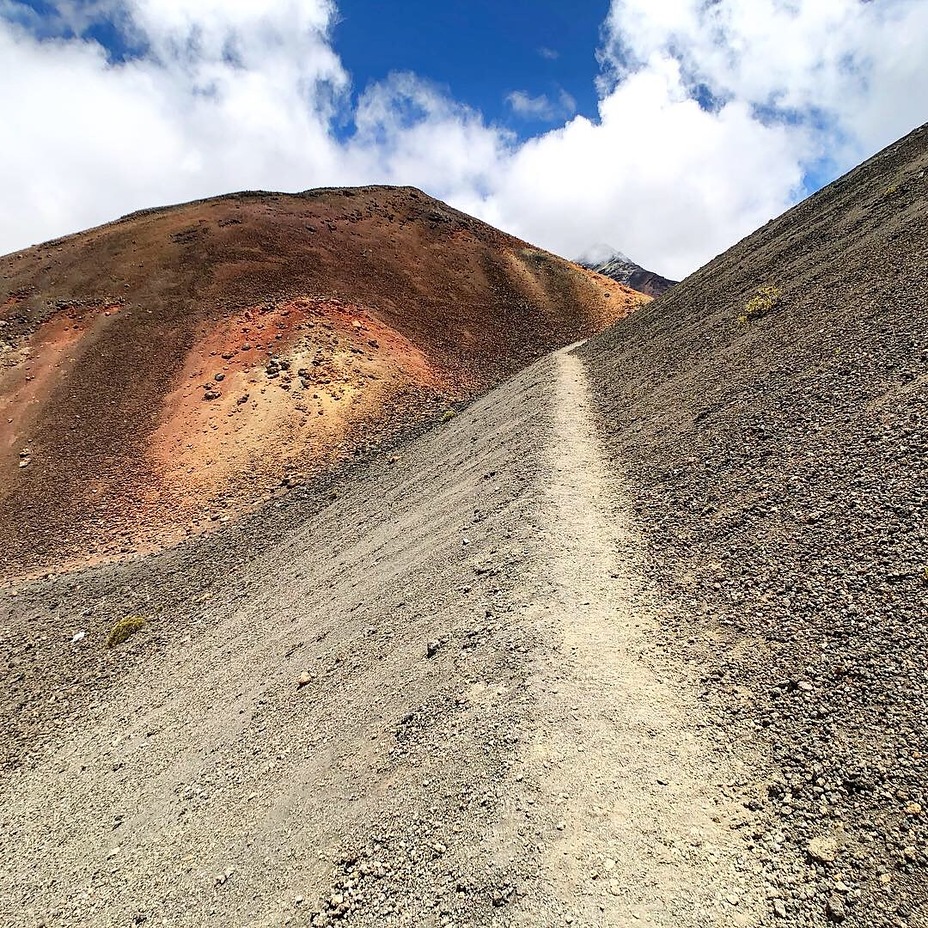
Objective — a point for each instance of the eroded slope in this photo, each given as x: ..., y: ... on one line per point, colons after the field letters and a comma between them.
x: 770, y: 416
x: 169, y: 369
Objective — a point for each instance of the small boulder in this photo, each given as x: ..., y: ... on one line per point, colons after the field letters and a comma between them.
x: 823, y: 849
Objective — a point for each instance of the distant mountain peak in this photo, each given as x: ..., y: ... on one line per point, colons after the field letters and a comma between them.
x: 610, y: 262
x: 601, y: 253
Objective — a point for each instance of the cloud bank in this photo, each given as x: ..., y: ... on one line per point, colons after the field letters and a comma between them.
x: 713, y: 117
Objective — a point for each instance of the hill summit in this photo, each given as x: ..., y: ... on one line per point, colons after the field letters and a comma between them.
x: 162, y: 372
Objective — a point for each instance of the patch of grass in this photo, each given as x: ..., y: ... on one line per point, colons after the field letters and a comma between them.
x: 766, y: 299
x: 125, y: 629
x: 448, y: 416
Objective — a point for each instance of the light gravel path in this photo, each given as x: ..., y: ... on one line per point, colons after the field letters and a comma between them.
x: 488, y: 735
x: 644, y: 834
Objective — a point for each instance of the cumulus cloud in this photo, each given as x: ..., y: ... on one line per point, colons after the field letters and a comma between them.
x: 223, y: 98
x: 848, y: 69
x: 712, y: 117
x: 658, y: 175
x: 542, y: 107
x: 409, y: 132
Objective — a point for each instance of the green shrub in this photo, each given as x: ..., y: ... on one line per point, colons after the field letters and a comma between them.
x: 766, y: 299
x: 125, y: 629
x: 448, y: 416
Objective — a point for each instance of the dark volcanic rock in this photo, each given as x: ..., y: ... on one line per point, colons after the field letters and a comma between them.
x: 778, y: 463
x: 621, y: 268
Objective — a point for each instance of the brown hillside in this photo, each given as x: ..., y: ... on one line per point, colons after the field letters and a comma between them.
x: 166, y: 370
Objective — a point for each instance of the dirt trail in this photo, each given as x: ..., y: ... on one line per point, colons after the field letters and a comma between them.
x: 486, y: 736
x: 644, y: 835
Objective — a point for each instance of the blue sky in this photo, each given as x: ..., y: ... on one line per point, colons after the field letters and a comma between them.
x: 481, y: 51
x: 667, y: 130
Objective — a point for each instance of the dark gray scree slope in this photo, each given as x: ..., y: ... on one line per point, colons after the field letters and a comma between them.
x: 779, y: 467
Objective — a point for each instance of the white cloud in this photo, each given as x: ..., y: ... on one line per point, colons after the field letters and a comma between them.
x: 523, y: 104
x: 542, y: 107
x: 226, y: 99
x: 710, y: 114
x: 658, y: 175
x: 409, y: 132
x: 841, y: 62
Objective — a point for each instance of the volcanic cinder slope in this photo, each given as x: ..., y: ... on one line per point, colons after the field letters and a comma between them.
x: 775, y: 446
x: 175, y: 366
x: 637, y: 638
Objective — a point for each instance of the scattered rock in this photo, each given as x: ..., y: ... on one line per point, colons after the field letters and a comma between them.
x: 823, y: 849
x: 835, y: 908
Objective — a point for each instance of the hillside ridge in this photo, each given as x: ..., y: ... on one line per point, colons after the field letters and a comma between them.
x: 175, y: 366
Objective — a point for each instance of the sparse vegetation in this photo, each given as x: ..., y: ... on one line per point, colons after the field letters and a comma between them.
x: 448, y: 416
x: 766, y: 299
x: 125, y: 629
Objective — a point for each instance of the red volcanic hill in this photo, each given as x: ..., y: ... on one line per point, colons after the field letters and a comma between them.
x: 169, y: 367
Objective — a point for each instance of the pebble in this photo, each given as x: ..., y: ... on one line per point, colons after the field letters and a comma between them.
x: 835, y: 908
x: 823, y: 849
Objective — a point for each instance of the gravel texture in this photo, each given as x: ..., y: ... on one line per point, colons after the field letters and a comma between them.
x: 434, y: 695
x: 636, y: 638
x: 776, y: 456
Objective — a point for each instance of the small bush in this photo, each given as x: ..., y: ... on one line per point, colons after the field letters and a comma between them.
x: 766, y: 299
x: 125, y: 629
x: 448, y: 416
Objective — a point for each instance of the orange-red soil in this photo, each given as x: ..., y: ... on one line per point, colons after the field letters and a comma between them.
x: 165, y: 371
